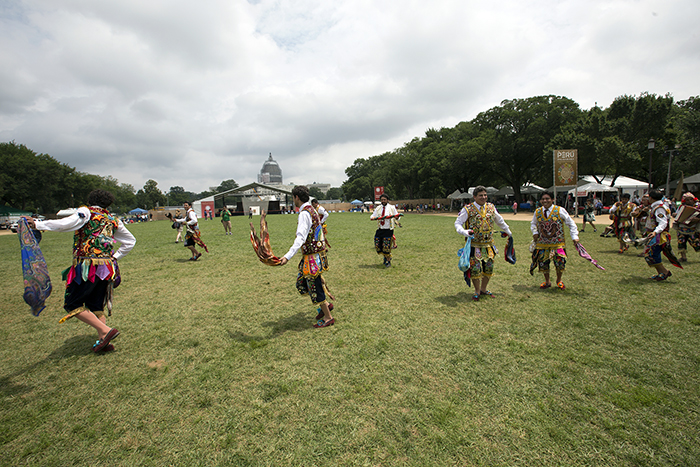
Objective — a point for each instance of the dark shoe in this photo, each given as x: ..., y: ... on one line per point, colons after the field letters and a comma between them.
x: 324, y: 324
x: 102, y: 343
x: 387, y: 264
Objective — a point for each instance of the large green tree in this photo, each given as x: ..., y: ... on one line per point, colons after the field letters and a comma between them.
x: 150, y: 196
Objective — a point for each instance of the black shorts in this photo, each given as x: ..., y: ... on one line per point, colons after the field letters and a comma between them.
x: 91, y: 295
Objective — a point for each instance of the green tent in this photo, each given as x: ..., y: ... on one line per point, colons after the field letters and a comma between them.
x: 9, y: 214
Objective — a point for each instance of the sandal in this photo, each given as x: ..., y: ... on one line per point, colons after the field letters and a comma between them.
x: 324, y: 324
x: 662, y: 277
x: 545, y: 285
x: 320, y: 311
x: 561, y: 285
x: 488, y: 293
x: 104, y: 342
x: 475, y: 297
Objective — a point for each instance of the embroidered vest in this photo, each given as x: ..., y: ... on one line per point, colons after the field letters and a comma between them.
x: 625, y: 211
x: 95, y: 238
x: 651, y: 220
x: 551, y: 229
x: 315, y: 240
x: 481, y: 222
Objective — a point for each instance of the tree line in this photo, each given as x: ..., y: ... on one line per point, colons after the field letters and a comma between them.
x: 39, y: 183
x: 512, y: 144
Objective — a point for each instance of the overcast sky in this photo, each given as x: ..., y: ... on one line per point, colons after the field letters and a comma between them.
x: 190, y: 93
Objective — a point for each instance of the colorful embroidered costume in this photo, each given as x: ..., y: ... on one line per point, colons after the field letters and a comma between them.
x: 688, y: 233
x: 384, y: 236
x: 37, y: 284
x: 314, y: 262
x: 657, y: 223
x: 192, y: 235
x: 94, y: 272
x: 480, y: 220
x: 622, y: 219
x: 550, y: 244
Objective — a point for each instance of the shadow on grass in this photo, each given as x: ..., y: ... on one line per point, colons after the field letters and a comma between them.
x: 295, y: 323
x: 371, y: 266
x: 75, y: 346
x: 454, y: 300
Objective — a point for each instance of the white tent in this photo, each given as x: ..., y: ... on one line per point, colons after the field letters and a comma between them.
x: 626, y: 184
x: 583, y: 190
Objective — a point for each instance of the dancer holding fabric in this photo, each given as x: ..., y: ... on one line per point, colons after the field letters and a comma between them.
x: 310, y: 239
x: 478, y: 219
x: 385, y: 214
x: 95, y: 272
x: 192, y: 236
x: 547, y: 227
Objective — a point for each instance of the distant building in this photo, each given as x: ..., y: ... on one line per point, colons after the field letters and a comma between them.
x: 270, y: 174
x: 323, y: 187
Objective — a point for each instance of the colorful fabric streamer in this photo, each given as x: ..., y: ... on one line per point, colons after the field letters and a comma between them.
x: 584, y: 254
x: 394, y: 216
x: 510, y: 251
x: 262, y: 245
x: 37, y: 283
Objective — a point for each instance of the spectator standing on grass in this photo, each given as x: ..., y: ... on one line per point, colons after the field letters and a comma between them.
x: 310, y: 239
x: 588, y: 215
x: 192, y: 235
x: 478, y: 219
x: 547, y: 227
x: 384, y: 236
x: 515, y: 208
x: 94, y: 273
x: 226, y: 220
x: 178, y: 226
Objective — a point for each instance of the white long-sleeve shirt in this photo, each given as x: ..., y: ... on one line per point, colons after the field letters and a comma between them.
x: 304, y: 223
x: 464, y: 215
x: 388, y: 210
x: 657, y: 216
x: 573, y: 230
x: 78, y: 219
x: 323, y: 213
x: 189, y: 219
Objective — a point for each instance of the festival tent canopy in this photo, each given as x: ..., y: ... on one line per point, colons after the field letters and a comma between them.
x: 688, y: 182
x: 626, y: 184
x: 138, y: 211
x: 10, y: 211
x: 527, y: 189
x: 356, y: 202
x: 583, y: 190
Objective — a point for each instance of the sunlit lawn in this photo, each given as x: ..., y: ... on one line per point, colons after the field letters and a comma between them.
x: 218, y: 362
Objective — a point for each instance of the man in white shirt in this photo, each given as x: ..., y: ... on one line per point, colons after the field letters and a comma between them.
x: 383, y: 237
x: 547, y: 227
x: 658, y: 236
x: 477, y: 220
x: 192, y: 235
x: 94, y: 273
x: 310, y: 239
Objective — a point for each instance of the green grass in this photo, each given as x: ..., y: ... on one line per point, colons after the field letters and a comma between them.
x: 218, y: 363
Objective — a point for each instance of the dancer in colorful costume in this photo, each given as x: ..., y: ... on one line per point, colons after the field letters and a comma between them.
x: 688, y: 232
x: 478, y: 219
x: 640, y: 214
x: 192, y: 236
x: 621, y: 215
x: 95, y: 272
x: 310, y: 239
x: 658, y: 237
x: 386, y: 216
x: 547, y: 228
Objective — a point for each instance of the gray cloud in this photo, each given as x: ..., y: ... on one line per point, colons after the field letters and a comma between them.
x: 191, y: 94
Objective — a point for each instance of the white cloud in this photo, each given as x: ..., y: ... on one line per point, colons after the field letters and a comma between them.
x: 192, y: 93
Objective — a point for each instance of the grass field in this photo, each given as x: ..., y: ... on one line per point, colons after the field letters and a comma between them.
x: 218, y: 363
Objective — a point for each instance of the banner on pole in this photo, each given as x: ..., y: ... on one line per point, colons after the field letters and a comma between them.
x: 378, y: 191
x: 565, y: 167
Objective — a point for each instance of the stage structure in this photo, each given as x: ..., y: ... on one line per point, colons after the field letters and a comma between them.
x: 258, y: 197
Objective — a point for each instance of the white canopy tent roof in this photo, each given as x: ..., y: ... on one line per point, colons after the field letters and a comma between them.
x: 583, y: 190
